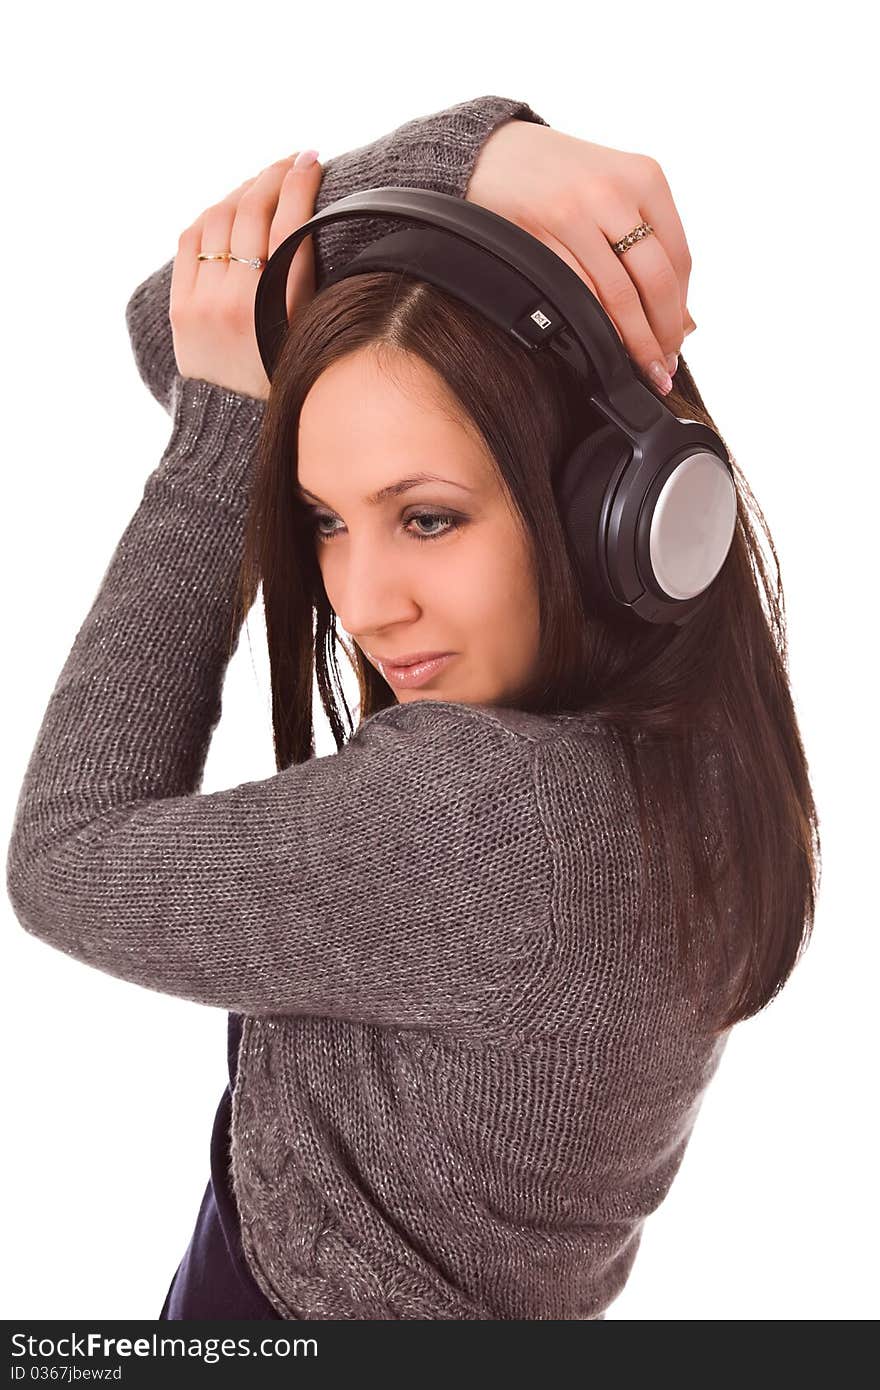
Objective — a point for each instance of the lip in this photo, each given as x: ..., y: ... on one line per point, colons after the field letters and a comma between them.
x: 409, y: 673
x: 408, y: 659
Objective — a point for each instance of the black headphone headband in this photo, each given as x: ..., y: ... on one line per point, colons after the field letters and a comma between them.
x: 540, y: 281
x: 656, y: 560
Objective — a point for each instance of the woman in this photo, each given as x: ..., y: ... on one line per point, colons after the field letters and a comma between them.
x: 482, y: 962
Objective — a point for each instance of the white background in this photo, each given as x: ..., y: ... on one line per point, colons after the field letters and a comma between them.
x: 120, y: 126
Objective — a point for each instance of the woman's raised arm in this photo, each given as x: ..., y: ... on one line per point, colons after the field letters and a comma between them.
x: 436, y: 152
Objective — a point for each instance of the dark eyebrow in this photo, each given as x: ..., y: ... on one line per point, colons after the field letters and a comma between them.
x: 393, y: 489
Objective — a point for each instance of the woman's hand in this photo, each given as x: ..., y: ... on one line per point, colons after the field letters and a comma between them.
x: 577, y: 198
x: 212, y: 302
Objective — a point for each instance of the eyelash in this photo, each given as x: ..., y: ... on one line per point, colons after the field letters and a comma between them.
x: 454, y: 523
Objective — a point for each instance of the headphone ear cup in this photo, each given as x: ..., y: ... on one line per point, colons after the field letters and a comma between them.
x: 580, y: 485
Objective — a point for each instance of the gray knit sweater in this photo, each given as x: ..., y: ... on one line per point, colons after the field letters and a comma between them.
x: 464, y: 1080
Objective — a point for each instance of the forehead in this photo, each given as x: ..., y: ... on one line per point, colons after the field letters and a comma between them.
x: 373, y: 418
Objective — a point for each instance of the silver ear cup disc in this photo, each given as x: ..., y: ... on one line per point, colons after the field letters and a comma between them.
x: 692, y: 525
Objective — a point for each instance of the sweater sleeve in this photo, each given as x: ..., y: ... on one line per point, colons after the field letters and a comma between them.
x: 399, y: 881
x: 436, y: 152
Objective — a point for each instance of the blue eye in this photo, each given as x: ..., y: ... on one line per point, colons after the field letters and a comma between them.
x: 450, y: 523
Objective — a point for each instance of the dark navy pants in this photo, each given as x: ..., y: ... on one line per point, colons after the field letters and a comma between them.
x: 213, y: 1280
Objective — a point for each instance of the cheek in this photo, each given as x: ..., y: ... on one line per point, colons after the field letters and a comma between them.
x: 323, y: 570
x: 494, y: 581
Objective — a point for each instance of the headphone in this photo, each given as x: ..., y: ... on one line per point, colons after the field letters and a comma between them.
x: 648, y: 500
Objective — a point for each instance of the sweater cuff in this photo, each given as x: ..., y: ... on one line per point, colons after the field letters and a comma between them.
x: 213, y: 443
x: 436, y: 152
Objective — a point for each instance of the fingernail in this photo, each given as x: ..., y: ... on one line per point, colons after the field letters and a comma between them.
x: 305, y: 158
x: 672, y: 363
x: 661, y: 378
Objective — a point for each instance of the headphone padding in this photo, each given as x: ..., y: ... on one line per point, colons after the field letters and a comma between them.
x: 579, y: 486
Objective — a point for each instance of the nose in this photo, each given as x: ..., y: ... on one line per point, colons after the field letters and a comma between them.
x: 370, y: 591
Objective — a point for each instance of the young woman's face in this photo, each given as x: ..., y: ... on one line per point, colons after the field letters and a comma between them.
x: 443, y: 566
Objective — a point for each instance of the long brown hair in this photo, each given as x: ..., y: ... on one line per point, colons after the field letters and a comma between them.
x: 699, y: 709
